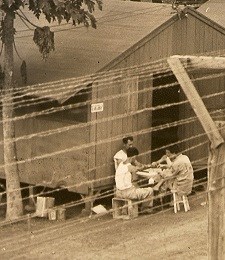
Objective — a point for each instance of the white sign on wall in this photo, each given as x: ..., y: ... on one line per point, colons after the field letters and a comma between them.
x: 97, y: 107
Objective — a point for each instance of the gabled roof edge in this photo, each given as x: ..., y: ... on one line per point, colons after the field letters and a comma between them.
x: 205, y: 19
x: 140, y: 43
x: 156, y: 31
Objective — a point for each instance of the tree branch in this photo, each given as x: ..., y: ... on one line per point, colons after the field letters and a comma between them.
x: 24, y: 18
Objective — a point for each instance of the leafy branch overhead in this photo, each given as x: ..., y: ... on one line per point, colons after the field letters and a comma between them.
x: 77, y: 11
x: 44, y: 39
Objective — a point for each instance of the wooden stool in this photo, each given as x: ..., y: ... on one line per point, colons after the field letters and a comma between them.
x: 124, y: 208
x: 176, y: 202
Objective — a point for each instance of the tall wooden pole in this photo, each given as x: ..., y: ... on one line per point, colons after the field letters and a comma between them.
x: 216, y: 200
x: 216, y: 163
x: 195, y: 101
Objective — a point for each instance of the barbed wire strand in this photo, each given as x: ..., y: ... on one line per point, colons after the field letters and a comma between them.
x: 45, y: 87
x: 106, y: 73
x: 91, y: 182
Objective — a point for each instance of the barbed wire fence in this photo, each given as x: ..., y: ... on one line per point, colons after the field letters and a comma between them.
x: 41, y: 94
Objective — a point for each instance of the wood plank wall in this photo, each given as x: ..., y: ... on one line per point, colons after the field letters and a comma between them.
x: 58, y: 168
x: 204, y: 39
x: 187, y: 36
x: 121, y: 104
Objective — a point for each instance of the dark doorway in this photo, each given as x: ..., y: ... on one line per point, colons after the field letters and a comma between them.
x: 162, y: 96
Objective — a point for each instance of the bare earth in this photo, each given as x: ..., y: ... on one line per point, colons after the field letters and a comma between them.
x: 164, y: 235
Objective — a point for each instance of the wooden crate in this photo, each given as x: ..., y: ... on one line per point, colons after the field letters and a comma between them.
x: 124, y: 208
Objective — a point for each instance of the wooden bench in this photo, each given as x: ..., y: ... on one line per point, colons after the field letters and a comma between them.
x: 124, y: 208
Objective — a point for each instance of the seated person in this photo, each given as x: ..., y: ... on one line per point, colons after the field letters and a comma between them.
x: 180, y: 175
x: 124, y: 187
x: 165, y: 160
x: 121, y: 155
x: 182, y: 172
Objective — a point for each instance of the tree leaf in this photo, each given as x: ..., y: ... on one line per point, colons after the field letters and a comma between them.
x: 10, y: 2
x: 90, y: 4
x: 100, y: 4
x: 46, y: 7
x: 56, y: 2
x: 92, y: 19
x: 44, y: 39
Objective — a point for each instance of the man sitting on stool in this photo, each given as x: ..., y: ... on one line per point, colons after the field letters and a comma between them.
x: 124, y: 187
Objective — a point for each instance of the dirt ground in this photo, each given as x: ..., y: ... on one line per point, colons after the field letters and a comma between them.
x: 163, y: 235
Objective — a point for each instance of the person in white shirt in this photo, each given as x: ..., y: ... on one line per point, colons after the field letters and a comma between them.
x: 124, y: 187
x: 121, y: 155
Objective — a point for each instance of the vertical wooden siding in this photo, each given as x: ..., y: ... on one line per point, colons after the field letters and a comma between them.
x: 122, y: 116
x: 58, y: 167
x: 189, y: 36
x: 186, y: 36
x: 204, y: 39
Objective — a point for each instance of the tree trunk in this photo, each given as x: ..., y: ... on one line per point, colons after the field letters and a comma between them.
x: 14, y: 198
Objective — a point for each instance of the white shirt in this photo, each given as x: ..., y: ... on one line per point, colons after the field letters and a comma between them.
x: 123, y: 177
x: 121, y: 155
x: 182, y: 168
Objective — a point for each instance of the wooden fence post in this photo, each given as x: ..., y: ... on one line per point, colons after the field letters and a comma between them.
x: 195, y: 101
x: 216, y: 199
x: 216, y: 162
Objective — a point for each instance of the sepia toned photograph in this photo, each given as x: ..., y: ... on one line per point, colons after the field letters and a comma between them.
x: 112, y: 129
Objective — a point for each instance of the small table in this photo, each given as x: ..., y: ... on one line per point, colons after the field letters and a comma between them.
x: 149, y: 173
x: 152, y: 174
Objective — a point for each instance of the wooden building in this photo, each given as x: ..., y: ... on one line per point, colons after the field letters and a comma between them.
x: 213, y: 10
x: 129, y: 34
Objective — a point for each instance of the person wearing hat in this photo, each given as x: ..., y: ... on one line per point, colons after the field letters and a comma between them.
x: 124, y: 186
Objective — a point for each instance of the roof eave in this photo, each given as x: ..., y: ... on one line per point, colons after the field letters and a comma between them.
x: 152, y: 34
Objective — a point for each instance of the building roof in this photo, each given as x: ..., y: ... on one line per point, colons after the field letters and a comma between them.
x: 80, y: 51
x: 122, y: 27
x: 214, y: 10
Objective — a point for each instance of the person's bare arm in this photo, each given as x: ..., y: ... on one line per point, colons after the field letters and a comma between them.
x: 161, y: 160
x: 132, y: 169
x: 141, y: 166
